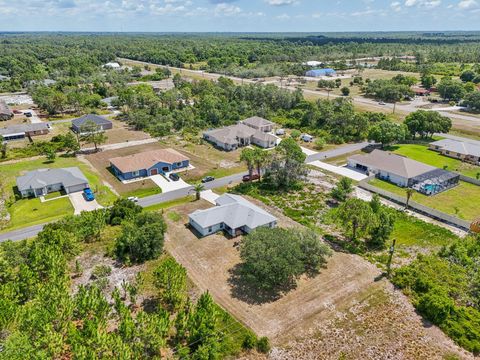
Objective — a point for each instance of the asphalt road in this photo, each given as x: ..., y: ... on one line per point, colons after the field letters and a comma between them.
x: 31, y: 231
x: 407, y: 108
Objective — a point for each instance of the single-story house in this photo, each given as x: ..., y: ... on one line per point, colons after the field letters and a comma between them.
x: 148, y: 163
x: 101, y: 123
x: 420, y: 91
x: 232, y: 214
x: 40, y: 182
x: 235, y: 136
x: 404, y: 172
x: 259, y: 123
x: 463, y: 150
x: 5, y: 112
x: 321, y: 72
x: 21, y: 131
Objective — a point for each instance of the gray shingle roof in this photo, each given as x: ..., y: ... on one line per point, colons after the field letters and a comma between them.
x: 99, y: 120
x: 257, y: 121
x: 230, y: 134
x: 393, y: 163
x: 44, y: 177
x: 461, y: 147
x: 22, y: 128
x: 234, y: 211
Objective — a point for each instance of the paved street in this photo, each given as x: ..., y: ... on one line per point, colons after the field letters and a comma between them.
x: 31, y: 231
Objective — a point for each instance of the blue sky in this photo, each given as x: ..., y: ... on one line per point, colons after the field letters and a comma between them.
x: 239, y: 15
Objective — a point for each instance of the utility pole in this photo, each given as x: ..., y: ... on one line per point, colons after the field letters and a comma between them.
x: 389, y: 263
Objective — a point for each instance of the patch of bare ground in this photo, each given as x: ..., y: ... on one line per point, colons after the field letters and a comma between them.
x: 346, y: 310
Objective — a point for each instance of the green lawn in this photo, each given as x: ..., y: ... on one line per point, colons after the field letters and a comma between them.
x: 26, y: 212
x: 461, y: 201
x: 143, y: 192
x: 423, y: 154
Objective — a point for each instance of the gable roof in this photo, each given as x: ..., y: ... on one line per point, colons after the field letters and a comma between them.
x: 235, y: 212
x: 44, y: 177
x: 23, y: 128
x: 461, y: 147
x: 229, y: 134
x: 257, y: 121
x: 99, y: 120
x: 147, y: 159
x: 393, y: 163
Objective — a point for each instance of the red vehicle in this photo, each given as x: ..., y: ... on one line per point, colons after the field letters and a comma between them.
x: 247, y: 178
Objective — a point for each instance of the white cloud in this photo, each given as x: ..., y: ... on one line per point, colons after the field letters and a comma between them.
x: 396, y: 6
x: 467, y: 4
x: 429, y: 4
x: 224, y: 9
x: 281, y: 2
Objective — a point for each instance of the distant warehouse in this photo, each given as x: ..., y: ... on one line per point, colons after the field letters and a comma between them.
x: 321, y: 72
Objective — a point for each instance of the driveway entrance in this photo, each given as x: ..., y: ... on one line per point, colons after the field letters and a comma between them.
x: 168, y: 185
x: 80, y: 204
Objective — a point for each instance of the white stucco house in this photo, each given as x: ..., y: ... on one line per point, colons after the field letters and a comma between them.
x: 232, y: 214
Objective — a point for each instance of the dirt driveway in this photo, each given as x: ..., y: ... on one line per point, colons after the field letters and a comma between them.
x: 345, y: 309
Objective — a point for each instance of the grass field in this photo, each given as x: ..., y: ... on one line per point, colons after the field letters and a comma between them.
x: 423, y: 154
x: 461, y: 201
x: 31, y: 211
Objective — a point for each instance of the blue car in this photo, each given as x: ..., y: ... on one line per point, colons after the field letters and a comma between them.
x: 88, y: 193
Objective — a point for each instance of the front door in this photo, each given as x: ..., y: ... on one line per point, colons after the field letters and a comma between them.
x: 154, y: 172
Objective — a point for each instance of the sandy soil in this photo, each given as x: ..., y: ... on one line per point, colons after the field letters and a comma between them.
x: 346, y: 310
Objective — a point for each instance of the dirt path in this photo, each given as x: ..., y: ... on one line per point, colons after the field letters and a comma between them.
x: 343, y: 310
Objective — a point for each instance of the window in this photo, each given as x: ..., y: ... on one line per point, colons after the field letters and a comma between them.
x: 447, y: 152
x: 136, y: 173
x: 221, y: 226
x: 210, y: 229
x: 179, y: 164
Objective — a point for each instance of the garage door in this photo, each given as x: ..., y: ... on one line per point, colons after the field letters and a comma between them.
x: 75, y: 188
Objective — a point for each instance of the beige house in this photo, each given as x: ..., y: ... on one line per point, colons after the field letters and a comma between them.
x: 259, y: 124
x: 235, y: 136
x: 462, y: 150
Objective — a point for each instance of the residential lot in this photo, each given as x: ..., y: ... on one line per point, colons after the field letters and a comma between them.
x: 423, y: 154
x: 205, y: 159
x: 344, y: 311
x: 31, y: 211
x: 461, y: 201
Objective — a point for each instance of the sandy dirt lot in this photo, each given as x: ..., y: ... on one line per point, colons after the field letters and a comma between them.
x: 121, y: 133
x: 346, y: 310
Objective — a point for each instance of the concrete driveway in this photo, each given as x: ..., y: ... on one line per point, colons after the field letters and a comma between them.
x: 168, y: 185
x: 344, y: 171
x: 80, y: 204
x: 210, y: 196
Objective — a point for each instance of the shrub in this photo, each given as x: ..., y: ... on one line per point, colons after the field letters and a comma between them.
x: 436, y: 306
x: 101, y: 271
x: 263, y: 345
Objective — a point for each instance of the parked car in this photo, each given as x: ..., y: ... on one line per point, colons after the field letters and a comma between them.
x: 280, y: 132
x: 17, y: 112
x: 306, y: 138
x: 28, y: 114
x: 381, y: 103
x: 247, y: 178
x: 88, y: 193
x: 133, y: 199
x: 207, y: 179
x: 174, y: 177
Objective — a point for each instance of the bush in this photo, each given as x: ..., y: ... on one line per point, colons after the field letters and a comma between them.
x: 436, y: 306
x: 249, y: 341
x: 123, y: 209
x: 263, y: 345
x: 345, y: 91
x: 295, y: 134
x: 319, y: 143
x: 101, y: 271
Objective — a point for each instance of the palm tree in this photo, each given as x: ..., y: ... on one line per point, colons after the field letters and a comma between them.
x: 248, y: 157
x: 261, y: 159
x: 409, y: 192
x: 198, y: 188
